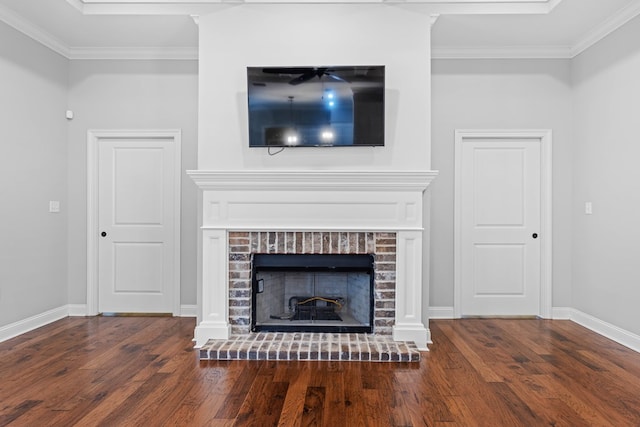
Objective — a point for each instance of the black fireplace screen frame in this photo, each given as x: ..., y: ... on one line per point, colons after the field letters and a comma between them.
x: 311, y: 263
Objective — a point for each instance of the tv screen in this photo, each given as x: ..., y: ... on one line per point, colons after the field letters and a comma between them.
x: 316, y: 106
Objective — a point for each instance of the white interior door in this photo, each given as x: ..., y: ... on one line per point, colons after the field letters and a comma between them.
x: 137, y: 222
x: 499, y: 213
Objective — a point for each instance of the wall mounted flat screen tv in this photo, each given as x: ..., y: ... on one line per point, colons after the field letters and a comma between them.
x: 316, y: 106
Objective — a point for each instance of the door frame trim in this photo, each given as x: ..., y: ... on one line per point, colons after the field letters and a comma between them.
x: 94, y: 136
x: 546, y: 257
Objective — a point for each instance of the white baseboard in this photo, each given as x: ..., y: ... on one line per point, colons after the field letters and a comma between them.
x: 77, y: 310
x: 70, y: 310
x: 619, y: 335
x: 441, y: 313
x: 22, y: 326
x: 561, y: 313
x: 557, y: 313
x: 615, y: 333
x: 188, y: 310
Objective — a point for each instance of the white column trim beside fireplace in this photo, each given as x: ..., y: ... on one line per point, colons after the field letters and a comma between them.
x: 312, y: 201
x: 213, y: 313
x: 408, y: 325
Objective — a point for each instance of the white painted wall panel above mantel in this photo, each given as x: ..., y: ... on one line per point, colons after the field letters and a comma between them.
x: 228, y: 46
x: 313, y: 200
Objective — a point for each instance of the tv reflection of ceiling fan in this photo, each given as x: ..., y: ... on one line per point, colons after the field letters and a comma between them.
x: 305, y: 73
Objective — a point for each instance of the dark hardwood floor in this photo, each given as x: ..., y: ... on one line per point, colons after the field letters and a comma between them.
x: 124, y: 371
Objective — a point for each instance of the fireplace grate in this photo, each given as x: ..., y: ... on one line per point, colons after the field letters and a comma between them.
x: 316, y: 313
x: 312, y: 308
x: 315, y: 308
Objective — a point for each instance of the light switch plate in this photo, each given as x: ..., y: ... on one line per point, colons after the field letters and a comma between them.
x: 588, y: 208
x: 54, y: 206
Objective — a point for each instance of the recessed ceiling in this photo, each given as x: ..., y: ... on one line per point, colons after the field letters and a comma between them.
x: 471, y: 28
x: 65, y: 29
x: 571, y: 27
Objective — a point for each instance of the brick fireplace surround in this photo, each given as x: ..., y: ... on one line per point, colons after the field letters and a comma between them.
x: 246, y: 212
x: 243, y: 243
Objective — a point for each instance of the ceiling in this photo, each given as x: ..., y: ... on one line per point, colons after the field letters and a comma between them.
x: 130, y: 29
x: 571, y: 27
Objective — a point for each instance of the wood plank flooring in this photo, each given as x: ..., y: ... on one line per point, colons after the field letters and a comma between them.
x: 124, y: 371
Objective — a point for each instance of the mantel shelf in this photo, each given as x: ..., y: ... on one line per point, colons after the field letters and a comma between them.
x: 313, y: 180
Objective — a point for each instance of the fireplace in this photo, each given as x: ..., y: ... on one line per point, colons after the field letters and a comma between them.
x: 278, y: 269
x: 312, y: 212
x: 312, y: 293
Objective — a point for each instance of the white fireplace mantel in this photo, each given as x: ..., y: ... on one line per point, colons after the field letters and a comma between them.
x: 312, y: 201
x: 313, y: 180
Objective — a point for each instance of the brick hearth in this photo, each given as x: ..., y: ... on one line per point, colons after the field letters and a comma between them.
x: 310, y: 346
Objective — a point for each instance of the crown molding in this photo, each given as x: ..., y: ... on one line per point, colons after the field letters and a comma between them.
x: 438, y: 52
x: 501, y: 52
x: 19, y: 23
x: 78, y: 4
x: 126, y: 2
x: 189, y: 7
x: 134, y: 53
x: 553, y: 3
x: 614, y: 22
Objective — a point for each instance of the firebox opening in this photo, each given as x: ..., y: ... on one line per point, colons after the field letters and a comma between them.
x: 312, y: 293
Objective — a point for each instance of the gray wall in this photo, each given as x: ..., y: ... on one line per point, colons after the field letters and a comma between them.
x: 131, y: 95
x: 33, y: 100
x: 499, y: 94
x: 590, y: 103
x: 43, y: 157
x: 606, y: 251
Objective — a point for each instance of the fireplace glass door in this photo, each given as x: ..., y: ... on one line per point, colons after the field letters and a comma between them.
x: 312, y: 293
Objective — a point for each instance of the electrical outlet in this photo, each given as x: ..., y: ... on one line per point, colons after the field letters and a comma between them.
x: 588, y: 208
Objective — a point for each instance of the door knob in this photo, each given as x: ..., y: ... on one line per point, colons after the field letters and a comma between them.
x: 103, y: 234
x: 534, y: 235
